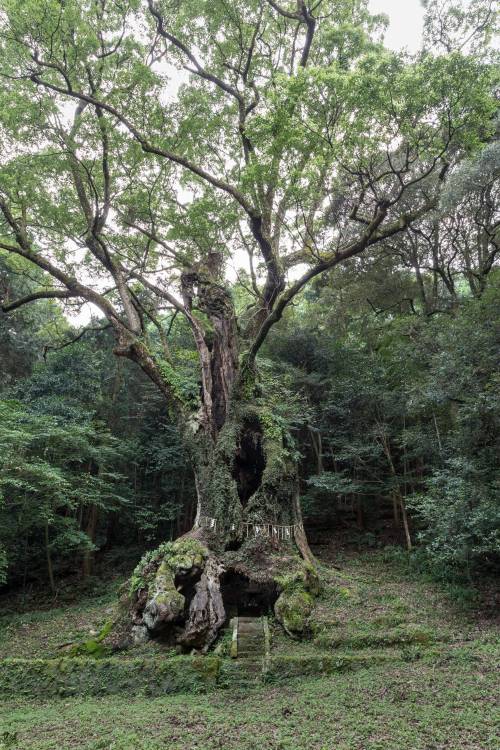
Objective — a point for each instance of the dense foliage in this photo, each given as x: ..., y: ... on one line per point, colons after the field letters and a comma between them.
x: 386, y: 408
x: 292, y: 231
x: 88, y: 454
x: 405, y: 413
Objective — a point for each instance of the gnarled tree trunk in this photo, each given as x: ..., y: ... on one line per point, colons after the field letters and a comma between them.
x: 248, y: 548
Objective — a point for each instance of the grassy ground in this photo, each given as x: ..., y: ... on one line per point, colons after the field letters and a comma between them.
x: 43, y: 633
x: 437, y: 690
x: 372, y: 602
x: 418, y: 706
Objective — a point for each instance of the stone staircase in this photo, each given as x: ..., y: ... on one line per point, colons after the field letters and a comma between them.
x: 250, y: 644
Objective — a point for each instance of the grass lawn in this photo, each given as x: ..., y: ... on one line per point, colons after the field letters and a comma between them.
x: 418, y: 706
x: 438, y: 689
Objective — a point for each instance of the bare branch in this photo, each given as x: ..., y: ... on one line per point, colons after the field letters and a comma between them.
x: 50, y: 347
x: 42, y: 294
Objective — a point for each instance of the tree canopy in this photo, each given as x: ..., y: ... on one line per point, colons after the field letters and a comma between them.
x: 151, y: 147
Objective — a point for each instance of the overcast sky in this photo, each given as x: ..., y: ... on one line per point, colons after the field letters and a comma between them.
x: 406, y: 22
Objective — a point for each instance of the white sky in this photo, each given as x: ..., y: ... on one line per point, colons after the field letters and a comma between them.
x: 404, y: 31
x: 406, y: 17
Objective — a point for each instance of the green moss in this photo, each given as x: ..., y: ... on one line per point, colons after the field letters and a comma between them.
x: 207, y: 667
x: 157, y: 572
x: 299, y: 585
x: 283, y: 668
x: 169, y: 558
x: 94, y: 647
x: 302, y: 576
x: 272, y: 426
x: 363, y: 637
x: 163, y: 588
x: 341, y: 705
x: 86, y: 676
x: 312, y: 581
x: 215, y: 473
x: 181, y: 388
x: 292, y: 609
x: 246, y: 386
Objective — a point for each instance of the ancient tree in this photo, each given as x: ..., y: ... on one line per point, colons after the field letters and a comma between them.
x: 158, y: 155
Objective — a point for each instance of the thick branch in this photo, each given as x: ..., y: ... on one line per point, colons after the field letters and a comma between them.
x: 371, y: 237
x: 23, y: 248
x: 199, y: 69
x: 42, y: 294
x: 304, y: 16
x: 144, y: 143
x: 275, y: 279
x: 294, y: 16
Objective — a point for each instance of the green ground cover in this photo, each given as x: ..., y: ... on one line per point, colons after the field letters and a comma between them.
x: 417, y: 706
x: 409, y: 668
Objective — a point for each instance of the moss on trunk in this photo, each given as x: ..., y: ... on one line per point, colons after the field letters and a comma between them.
x: 246, y: 480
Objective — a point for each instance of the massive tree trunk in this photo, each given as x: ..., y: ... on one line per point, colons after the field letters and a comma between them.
x: 247, y: 550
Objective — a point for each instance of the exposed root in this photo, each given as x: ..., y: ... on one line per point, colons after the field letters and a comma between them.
x: 181, y: 593
x: 206, y: 611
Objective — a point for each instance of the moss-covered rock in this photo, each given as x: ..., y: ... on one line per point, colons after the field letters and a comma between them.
x: 312, y: 581
x: 299, y: 585
x: 182, y: 555
x: 94, y: 647
x: 185, y: 554
x: 293, y: 608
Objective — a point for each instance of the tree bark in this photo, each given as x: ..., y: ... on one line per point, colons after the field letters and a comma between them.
x: 48, y: 556
x: 248, y: 526
x: 88, y: 555
x: 397, y: 490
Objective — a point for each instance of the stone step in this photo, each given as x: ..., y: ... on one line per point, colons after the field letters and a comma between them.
x: 251, y: 637
x: 246, y: 648
x: 250, y: 658
x: 251, y: 666
x: 250, y: 627
x: 251, y: 642
x: 258, y: 639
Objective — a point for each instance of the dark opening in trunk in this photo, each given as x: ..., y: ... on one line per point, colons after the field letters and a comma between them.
x: 243, y: 597
x: 249, y: 463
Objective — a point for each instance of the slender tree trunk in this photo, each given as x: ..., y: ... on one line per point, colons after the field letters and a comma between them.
x: 317, y: 446
x: 397, y: 494
x: 88, y: 555
x: 438, y: 434
x: 406, y: 527
x: 50, y: 570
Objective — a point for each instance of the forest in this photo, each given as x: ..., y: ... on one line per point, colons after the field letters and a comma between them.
x: 249, y: 376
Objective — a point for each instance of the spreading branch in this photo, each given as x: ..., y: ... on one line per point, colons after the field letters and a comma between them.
x: 42, y: 294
